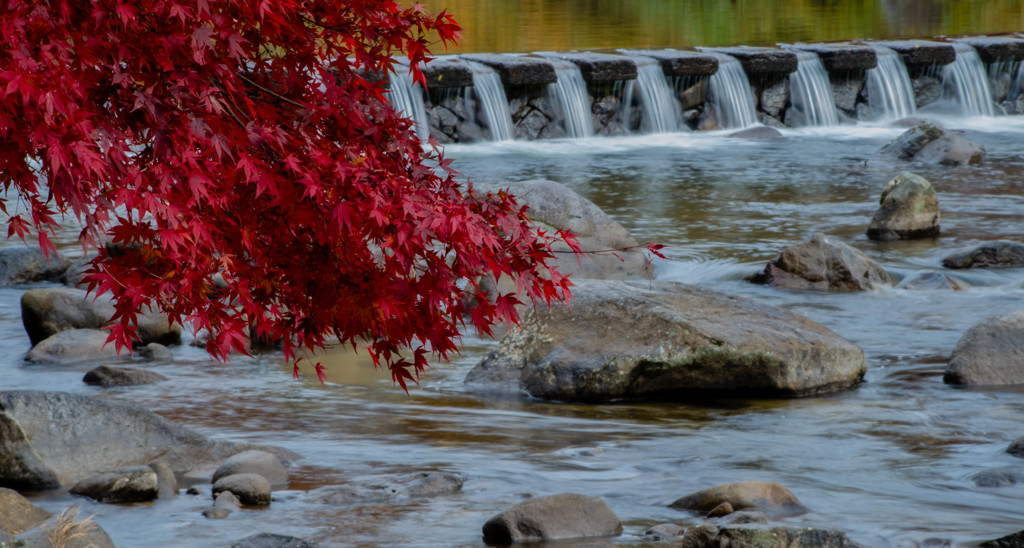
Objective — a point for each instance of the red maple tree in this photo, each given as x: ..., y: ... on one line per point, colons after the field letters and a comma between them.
x: 250, y: 140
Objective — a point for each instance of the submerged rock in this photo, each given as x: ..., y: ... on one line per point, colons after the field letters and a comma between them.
x: 760, y: 133
x: 623, y: 340
x: 271, y: 540
x: 1007, y: 476
x: 403, y: 486
x: 76, y: 345
x: 710, y: 536
x: 28, y: 264
x: 989, y: 353
x: 557, y: 517
x: 996, y: 254
x: 251, y: 489
x: 770, y: 498
x: 908, y: 209
x: 108, y: 377
x: 929, y: 144
x: 823, y: 264
x: 131, y: 484
x: 933, y: 280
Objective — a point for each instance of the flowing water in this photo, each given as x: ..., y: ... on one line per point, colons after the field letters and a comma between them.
x: 811, y: 92
x: 965, y: 82
x: 889, y: 462
x: 890, y: 92
x: 661, y: 111
x: 570, y: 91
x: 493, y: 104
x: 407, y: 98
x: 730, y: 95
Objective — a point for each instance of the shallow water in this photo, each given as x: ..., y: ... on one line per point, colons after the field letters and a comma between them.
x: 889, y: 461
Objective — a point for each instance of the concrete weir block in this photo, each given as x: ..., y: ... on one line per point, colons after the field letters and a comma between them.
x: 598, y: 67
x: 922, y: 53
x: 447, y: 72
x: 682, y: 63
x: 993, y: 49
x: 517, y: 70
x: 842, y: 57
x: 762, y: 61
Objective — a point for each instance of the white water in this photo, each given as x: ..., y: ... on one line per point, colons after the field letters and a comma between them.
x: 811, y: 92
x: 965, y: 81
x: 490, y: 95
x: 729, y: 94
x: 661, y: 110
x: 570, y: 91
x: 408, y: 100
x: 889, y: 88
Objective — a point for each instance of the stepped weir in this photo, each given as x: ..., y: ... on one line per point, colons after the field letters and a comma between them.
x: 582, y: 94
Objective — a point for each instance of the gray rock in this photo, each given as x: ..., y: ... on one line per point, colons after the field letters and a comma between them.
x: 1016, y: 448
x: 108, y: 377
x: 927, y: 89
x: 255, y: 462
x: 404, y: 486
x: 996, y: 254
x: 929, y: 144
x: 225, y: 503
x: 76, y: 345
x: 48, y: 311
x: 517, y: 70
x: 842, y: 57
x: 770, y: 498
x: 769, y: 121
x: 695, y: 95
x: 823, y: 264
x: 758, y: 60
x: 908, y: 209
x: 216, y: 513
x: 922, y: 53
x: 845, y: 93
x: 989, y: 353
x: 745, y: 517
x: 270, y: 540
x: 20, y: 265
x: 49, y: 439
x: 760, y: 133
x: 1015, y: 540
x: 251, y: 489
x: 683, y: 63
x: 447, y: 72
x: 557, y: 517
x: 1000, y: 83
x: 624, y: 340
x: 131, y: 484
x: 155, y: 352
x: 167, y: 483
x: 600, y: 67
x: 663, y: 532
x: 1007, y: 476
x: 17, y: 514
x: 710, y: 536
x: 996, y: 49
x: 774, y: 98
x: 932, y: 280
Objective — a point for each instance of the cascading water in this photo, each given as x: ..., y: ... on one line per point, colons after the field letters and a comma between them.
x: 729, y: 94
x: 490, y: 95
x: 811, y: 92
x: 889, y: 90
x: 408, y: 100
x: 965, y: 81
x: 661, y: 110
x: 570, y: 91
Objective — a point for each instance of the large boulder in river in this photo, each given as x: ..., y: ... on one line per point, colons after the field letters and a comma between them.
x: 823, y: 264
x: 557, y: 517
x: 771, y: 498
x: 929, y: 144
x: 555, y: 205
x: 48, y: 311
x: 667, y: 340
x: 989, y: 353
x: 995, y: 254
x: 28, y: 264
x: 48, y: 439
x: 908, y: 209
x: 711, y: 536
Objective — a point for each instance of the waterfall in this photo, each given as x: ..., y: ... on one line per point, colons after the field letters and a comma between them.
x: 889, y: 89
x: 408, y: 100
x: 661, y: 110
x: 729, y: 94
x: 490, y: 95
x: 625, y: 116
x: 811, y: 92
x: 570, y: 91
x: 965, y: 81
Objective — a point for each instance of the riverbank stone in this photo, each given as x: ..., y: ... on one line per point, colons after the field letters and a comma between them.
x: 929, y: 144
x: 17, y: 514
x: 20, y: 265
x: 990, y: 353
x: 711, y: 536
x: 666, y: 340
x: 908, y: 209
x: 48, y: 311
x: 108, y: 377
x: 995, y: 254
x: 54, y: 438
x: 255, y: 462
x: 770, y: 498
x: 823, y: 264
x: 251, y: 489
x: 130, y: 484
x: 556, y: 517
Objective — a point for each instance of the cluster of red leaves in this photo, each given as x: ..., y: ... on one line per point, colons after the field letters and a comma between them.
x: 239, y: 139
